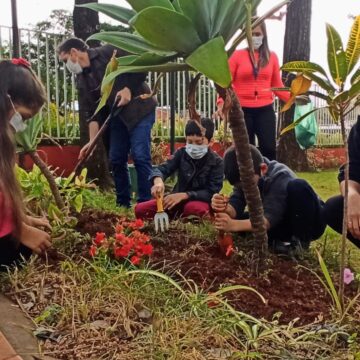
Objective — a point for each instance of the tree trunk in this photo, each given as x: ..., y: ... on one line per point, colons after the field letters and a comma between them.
x: 296, y: 47
x: 49, y: 177
x: 246, y: 168
x: 86, y: 23
x: 345, y: 209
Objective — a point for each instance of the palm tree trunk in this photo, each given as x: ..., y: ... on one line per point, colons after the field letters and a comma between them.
x: 246, y: 168
x: 49, y: 177
x: 345, y: 217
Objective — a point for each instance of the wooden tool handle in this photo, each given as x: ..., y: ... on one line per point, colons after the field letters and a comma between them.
x: 159, y: 203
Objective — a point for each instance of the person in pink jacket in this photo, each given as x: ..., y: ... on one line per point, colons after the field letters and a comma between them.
x: 252, y: 82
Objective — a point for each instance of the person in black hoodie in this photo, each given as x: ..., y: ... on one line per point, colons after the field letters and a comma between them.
x: 129, y: 131
x: 334, y: 207
x: 292, y: 210
x: 200, y: 173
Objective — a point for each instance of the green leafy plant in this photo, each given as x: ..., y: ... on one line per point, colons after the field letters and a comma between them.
x: 38, y: 194
x: 192, y: 35
x: 342, y: 95
x: 27, y: 142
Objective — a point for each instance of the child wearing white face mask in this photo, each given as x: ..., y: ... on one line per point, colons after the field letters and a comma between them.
x: 21, y: 96
x: 199, y: 171
x: 252, y: 82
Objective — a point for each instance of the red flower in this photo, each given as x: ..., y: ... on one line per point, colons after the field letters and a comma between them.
x: 92, y: 250
x: 120, y: 238
x: 99, y: 238
x: 135, y: 260
x: 21, y: 61
x: 147, y: 249
x: 122, y: 251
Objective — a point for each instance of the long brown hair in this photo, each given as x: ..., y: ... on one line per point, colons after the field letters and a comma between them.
x: 264, y: 51
x: 24, y: 88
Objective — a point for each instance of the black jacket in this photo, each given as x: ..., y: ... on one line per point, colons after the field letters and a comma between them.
x: 273, y: 191
x: 354, y: 154
x: 200, y: 179
x: 89, y: 84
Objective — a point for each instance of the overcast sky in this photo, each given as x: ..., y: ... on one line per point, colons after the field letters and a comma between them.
x: 333, y: 12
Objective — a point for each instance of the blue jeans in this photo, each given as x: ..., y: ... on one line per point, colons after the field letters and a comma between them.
x: 138, y: 143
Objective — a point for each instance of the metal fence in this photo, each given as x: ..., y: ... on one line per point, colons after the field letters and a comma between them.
x: 61, y: 112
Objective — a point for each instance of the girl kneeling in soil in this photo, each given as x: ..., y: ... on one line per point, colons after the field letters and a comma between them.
x: 199, y: 176
x: 21, y: 97
x: 292, y: 210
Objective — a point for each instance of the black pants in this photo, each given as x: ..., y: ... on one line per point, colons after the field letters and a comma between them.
x: 12, y: 252
x: 304, y: 217
x: 262, y: 123
x: 334, y: 212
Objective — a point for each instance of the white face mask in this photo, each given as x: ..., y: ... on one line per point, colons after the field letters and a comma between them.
x: 257, y: 41
x: 16, y: 120
x: 196, y: 151
x: 73, y: 67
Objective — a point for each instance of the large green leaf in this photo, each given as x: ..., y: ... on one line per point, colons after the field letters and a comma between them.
x: 198, y: 11
x: 167, y: 29
x: 321, y: 81
x: 129, y: 42
x: 353, y: 45
x: 220, y: 16
x: 168, y: 67
x: 144, y: 59
x: 355, y: 90
x: 139, y: 5
x: 303, y: 66
x: 211, y: 60
x: 336, y: 56
x: 28, y: 139
x: 118, y: 13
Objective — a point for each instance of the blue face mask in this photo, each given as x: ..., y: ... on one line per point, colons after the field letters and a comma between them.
x: 196, y: 151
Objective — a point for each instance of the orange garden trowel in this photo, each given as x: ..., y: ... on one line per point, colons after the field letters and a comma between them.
x: 161, y: 218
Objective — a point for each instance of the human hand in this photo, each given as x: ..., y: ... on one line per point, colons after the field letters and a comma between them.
x: 35, y: 239
x: 174, y: 199
x: 124, y: 96
x: 158, y: 189
x: 39, y: 222
x: 219, y: 202
x: 353, y: 224
x: 84, y: 150
x: 224, y: 222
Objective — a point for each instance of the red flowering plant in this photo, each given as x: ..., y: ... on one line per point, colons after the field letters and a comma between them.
x: 128, y: 242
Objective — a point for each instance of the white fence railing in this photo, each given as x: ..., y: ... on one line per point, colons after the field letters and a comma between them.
x: 61, y: 113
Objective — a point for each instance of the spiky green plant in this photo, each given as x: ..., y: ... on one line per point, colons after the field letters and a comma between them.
x: 27, y: 142
x: 342, y: 95
x: 191, y: 35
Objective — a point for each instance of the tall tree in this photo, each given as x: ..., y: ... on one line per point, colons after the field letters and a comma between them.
x: 86, y: 23
x: 296, y: 47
